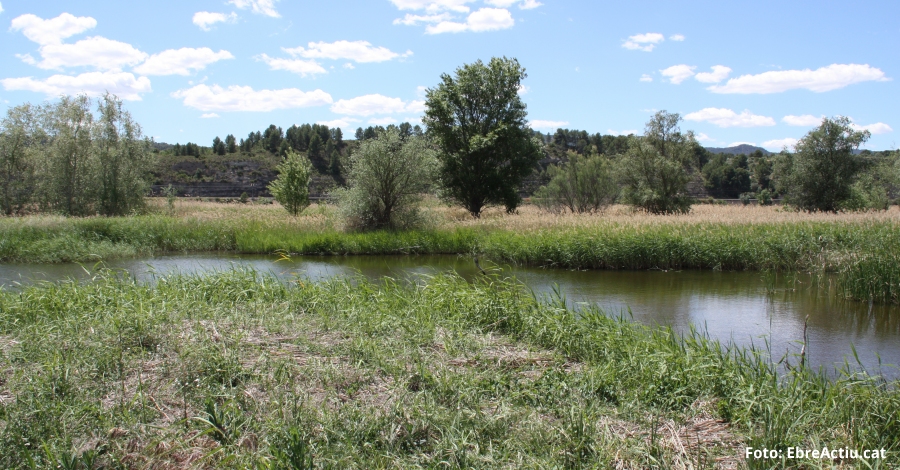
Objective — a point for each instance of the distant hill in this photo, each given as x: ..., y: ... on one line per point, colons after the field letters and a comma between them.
x: 737, y: 150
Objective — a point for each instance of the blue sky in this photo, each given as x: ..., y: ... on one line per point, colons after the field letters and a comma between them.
x: 759, y: 72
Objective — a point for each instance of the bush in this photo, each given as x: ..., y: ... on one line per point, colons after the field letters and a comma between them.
x: 291, y: 188
x: 387, y: 175
x: 584, y: 184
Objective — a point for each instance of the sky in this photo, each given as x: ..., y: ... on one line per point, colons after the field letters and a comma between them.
x: 762, y: 72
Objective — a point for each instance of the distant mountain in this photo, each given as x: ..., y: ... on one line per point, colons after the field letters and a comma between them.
x: 745, y: 149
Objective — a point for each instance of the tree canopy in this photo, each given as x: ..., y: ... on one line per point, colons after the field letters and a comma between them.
x: 478, y: 121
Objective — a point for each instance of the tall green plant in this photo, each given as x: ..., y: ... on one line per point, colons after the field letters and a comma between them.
x: 67, y: 167
x: 584, y: 184
x: 123, y: 159
x: 291, y: 188
x: 19, y: 132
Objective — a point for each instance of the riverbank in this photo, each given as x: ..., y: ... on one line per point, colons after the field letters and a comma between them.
x: 863, y: 247
x: 237, y: 371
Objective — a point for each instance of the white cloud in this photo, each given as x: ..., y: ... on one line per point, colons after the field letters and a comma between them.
x: 205, y: 19
x: 719, y: 73
x: 416, y: 106
x: 349, y: 65
x: 262, y: 7
x: 209, y: 115
x: 524, y: 5
x: 552, y: 125
x: 124, y: 85
x: 358, y: 51
x: 877, y: 128
x: 643, y: 42
x: 96, y: 51
x: 523, y: 90
x: 806, y: 120
x: 678, y: 73
x: 412, y: 20
x: 1, y: 8
x: 625, y: 132
x: 820, y: 80
x: 701, y: 137
x: 646, y: 78
x: 368, y: 105
x: 485, y: 19
x: 433, y: 6
x: 676, y: 37
x: 778, y: 144
x: 54, y: 30
x: 723, y: 117
x: 382, y: 121
x: 181, y: 61
x: 735, y: 144
x: 299, y: 66
x: 340, y: 122
x: 245, y: 98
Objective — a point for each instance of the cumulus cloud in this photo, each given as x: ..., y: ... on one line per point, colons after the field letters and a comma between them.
x: 820, y: 80
x: 205, y: 19
x: 182, y: 61
x: 209, y: 115
x: 485, y: 19
x: 806, y: 120
x: 413, y: 20
x: 701, y: 137
x: 877, y: 128
x: 778, y: 144
x: 299, y: 66
x: 676, y: 37
x: 261, y: 7
x: 646, y: 78
x: 1, y: 8
x: 245, y: 98
x: 723, y: 117
x: 432, y: 6
x: 368, y: 105
x: 98, y: 52
x: 719, y: 73
x: 678, y: 73
x: 124, y: 85
x: 625, y: 132
x: 524, y: 5
x: 551, y: 125
x: 358, y: 51
x: 416, y: 106
x: 54, y: 30
x: 340, y: 122
x: 643, y: 42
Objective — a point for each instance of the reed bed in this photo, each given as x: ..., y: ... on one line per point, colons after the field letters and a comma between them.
x: 238, y: 370
x: 862, y: 247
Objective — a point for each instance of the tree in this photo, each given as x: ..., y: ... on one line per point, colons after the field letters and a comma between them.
x: 386, y: 178
x: 315, y: 147
x: 584, y: 184
x: 727, y: 177
x: 478, y: 120
x: 291, y: 187
x: 218, y: 146
x: 654, y: 169
x: 272, y: 138
x: 230, y: 144
x: 823, y: 167
x: 123, y: 159
x: 19, y: 134
x: 67, y: 185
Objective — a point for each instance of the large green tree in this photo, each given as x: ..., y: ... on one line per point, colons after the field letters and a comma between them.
x: 123, y: 159
x: 19, y: 134
x: 478, y: 121
x: 655, y: 169
x: 823, y: 167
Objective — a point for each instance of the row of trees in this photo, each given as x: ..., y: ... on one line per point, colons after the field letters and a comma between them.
x: 74, y: 157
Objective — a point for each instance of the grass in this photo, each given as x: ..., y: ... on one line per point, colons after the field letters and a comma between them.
x: 861, y: 247
x: 237, y: 370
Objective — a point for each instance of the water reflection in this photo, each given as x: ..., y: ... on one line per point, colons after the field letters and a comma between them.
x: 733, y: 307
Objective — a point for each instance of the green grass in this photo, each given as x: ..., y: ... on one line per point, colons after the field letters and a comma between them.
x: 865, y: 254
x: 237, y: 370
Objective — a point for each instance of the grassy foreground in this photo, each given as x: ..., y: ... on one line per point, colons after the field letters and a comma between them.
x: 864, y: 248
x: 236, y: 370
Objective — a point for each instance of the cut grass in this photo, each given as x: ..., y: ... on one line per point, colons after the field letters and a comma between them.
x: 237, y: 370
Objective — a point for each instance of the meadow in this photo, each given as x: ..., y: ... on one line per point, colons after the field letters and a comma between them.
x: 239, y: 370
x: 863, y: 247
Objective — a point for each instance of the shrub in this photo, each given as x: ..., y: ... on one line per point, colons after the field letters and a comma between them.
x: 584, y: 184
x: 291, y: 188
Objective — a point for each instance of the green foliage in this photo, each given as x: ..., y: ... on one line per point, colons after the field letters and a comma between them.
x: 291, y: 188
x: 123, y: 159
x: 728, y: 177
x: 387, y: 176
x: 478, y: 121
x: 823, y: 169
x: 19, y: 135
x: 654, y: 170
x: 584, y: 184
